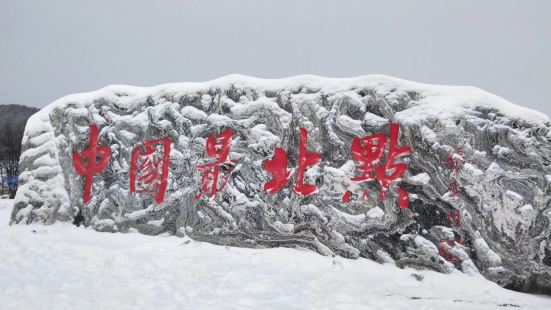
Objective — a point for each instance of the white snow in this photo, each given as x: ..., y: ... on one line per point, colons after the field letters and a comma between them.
x: 422, y: 244
x: 373, y: 120
x: 421, y: 178
x: 353, y: 126
x: 139, y: 214
x: 471, y: 170
x: 156, y: 223
x: 127, y: 135
x: 261, y: 139
x: 375, y: 213
x: 385, y: 257
x: 428, y: 134
x: 501, y: 151
x: 494, y: 169
x: 65, y: 267
x: 484, y: 251
x: 426, y: 246
x: 526, y: 211
x: 45, y: 160
x: 261, y: 106
x: 193, y: 113
x: 435, y: 102
x: 219, y: 120
x: 514, y: 196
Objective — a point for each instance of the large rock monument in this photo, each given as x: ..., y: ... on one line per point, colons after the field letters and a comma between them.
x: 438, y: 177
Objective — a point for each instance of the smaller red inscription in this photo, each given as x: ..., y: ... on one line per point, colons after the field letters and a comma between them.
x: 454, y: 218
x: 446, y: 250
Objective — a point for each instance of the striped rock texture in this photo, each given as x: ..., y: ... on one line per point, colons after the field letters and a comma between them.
x: 478, y: 177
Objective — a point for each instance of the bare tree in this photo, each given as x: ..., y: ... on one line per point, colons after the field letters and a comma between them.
x: 12, y: 124
x: 10, y: 150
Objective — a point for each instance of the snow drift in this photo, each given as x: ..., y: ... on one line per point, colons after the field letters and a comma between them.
x: 133, y: 271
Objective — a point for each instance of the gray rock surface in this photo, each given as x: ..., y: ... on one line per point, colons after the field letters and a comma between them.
x: 502, y: 152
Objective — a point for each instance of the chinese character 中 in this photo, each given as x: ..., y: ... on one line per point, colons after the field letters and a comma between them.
x: 92, y: 166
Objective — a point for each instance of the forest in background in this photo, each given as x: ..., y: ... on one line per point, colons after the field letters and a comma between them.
x: 12, y: 124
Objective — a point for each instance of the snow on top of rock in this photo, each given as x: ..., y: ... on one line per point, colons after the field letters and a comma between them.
x: 434, y: 102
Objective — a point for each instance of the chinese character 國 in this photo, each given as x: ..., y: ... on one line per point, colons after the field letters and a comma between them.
x: 149, y: 168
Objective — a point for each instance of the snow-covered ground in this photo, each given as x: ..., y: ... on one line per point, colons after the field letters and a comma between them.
x: 65, y: 267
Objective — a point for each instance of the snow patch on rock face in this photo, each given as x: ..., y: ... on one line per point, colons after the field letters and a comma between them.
x: 350, y: 125
x: 526, y: 211
x: 428, y: 134
x: 375, y: 121
x: 504, y: 145
x: 494, y: 169
x: 41, y: 194
x: 421, y: 178
x: 486, y: 253
x: 501, y: 151
x: 423, y: 245
x: 375, y: 213
x: 262, y: 140
x: 426, y: 246
x: 472, y: 170
x: 513, y: 197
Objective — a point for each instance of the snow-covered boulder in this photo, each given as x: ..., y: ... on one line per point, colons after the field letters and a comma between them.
x: 477, y: 178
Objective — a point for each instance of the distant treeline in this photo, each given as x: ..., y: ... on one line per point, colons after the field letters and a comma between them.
x: 12, y: 124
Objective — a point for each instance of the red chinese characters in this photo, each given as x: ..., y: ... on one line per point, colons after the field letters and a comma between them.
x: 150, y: 162
x: 368, y: 153
x: 91, y: 167
x: 149, y: 168
x: 455, y: 161
x: 218, y: 147
x: 454, y: 218
x: 346, y: 197
x: 446, y: 250
x: 278, y: 168
x: 454, y: 189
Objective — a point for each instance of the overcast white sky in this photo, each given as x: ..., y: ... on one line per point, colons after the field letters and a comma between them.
x: 49, y: 49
